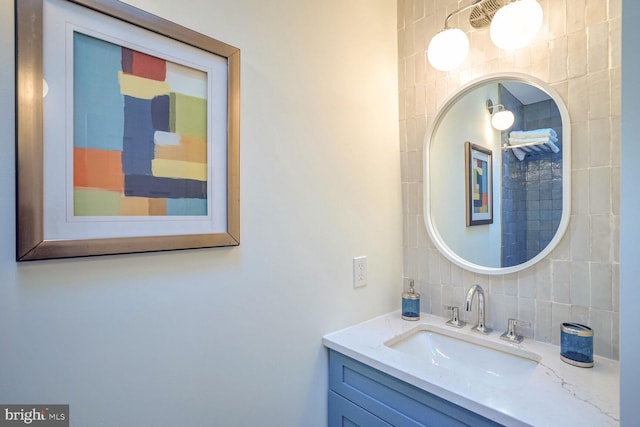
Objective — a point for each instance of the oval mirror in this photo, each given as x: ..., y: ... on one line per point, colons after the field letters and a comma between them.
x: 498, y: 201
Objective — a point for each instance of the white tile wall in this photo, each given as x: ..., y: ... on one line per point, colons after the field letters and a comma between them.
x: 578, y: 53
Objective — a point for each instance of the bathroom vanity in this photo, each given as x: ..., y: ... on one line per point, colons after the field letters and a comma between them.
x: 391, y: 372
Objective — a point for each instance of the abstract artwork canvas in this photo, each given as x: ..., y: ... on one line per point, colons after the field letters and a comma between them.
x: 140, y: 133
x: 135, y: 146
x: 478, y: 180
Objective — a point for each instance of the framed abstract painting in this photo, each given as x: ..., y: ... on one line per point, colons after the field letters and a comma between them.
x: 478, y: 184
x: 127, y: 132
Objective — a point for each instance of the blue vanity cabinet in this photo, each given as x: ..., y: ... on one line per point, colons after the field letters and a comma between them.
x: 360, y: 395
x: 345, y: 413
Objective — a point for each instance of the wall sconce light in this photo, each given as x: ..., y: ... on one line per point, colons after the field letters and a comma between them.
x: 502, y: 119
x: 448, y: 49
x: 45, y: 88
x: 513, y: 25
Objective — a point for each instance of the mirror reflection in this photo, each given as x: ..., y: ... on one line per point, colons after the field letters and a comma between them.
x: 495, y: 199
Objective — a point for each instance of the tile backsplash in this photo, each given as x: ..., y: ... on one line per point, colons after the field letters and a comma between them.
x: 577, y: 52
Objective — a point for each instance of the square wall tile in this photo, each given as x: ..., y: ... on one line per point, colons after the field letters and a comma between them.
x: 602, y: 324
x: 561, y: 275
x: 576, y: 15
x: 600, y: 190
x: 601, y: 238
x: 600, y: 141
x: 543, y: 323
x: 579, y: 227
x: 558, y: 54
x: 596, y: 12
x: 601, y: 286
x: 580, y: 284
x: 577, y: 54
x: 599, y: 94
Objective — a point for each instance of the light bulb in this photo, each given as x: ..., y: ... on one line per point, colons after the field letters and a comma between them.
x: 515, y: 25
x: 448, y: 49
x: 502, y: 120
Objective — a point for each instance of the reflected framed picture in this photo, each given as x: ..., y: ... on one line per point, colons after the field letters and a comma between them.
x: 127, y: 132
x: 478, y: 184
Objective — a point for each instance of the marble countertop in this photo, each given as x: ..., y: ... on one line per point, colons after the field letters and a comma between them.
x: 553, y: 394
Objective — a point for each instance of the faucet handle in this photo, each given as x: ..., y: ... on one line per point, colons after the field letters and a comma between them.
x: 511, y: 334
x: 455, y: 317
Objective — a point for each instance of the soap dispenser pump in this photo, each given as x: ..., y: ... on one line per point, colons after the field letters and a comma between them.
x: 411, y: 303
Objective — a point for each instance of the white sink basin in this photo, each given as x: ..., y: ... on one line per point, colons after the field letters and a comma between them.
x: 475, y: 358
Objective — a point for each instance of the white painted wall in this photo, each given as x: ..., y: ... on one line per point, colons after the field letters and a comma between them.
x: 629, y: 225
x: 229, y: 337
x: 466, y: 120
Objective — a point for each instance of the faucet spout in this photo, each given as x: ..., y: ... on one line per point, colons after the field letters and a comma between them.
x: 472, y: 291
x: 480, y: 325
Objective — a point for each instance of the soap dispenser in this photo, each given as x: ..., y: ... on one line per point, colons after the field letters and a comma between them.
x: 411, y: 303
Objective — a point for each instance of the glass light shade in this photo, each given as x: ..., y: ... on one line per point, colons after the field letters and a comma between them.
x: 45, y: 88
x: 515, y: 25
x: 502, y: 120
x: 448, y: 49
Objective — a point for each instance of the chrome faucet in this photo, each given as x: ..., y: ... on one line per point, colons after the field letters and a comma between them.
x: 480, y: 326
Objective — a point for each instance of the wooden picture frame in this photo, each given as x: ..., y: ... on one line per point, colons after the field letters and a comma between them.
x: 478, y: 184
x: 186, y: 201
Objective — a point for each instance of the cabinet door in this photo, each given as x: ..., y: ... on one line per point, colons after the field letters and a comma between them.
x: 343, y: 413
x: 394, y: 401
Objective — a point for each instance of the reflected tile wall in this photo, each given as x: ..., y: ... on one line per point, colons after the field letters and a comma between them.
x: 514, y: 190
x: 578, y: 53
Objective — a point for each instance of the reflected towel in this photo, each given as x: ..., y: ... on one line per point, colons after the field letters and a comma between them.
x: 536, y: 133
x: 553, y: 146
x: 534, y: 143
x: 541, y: 140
